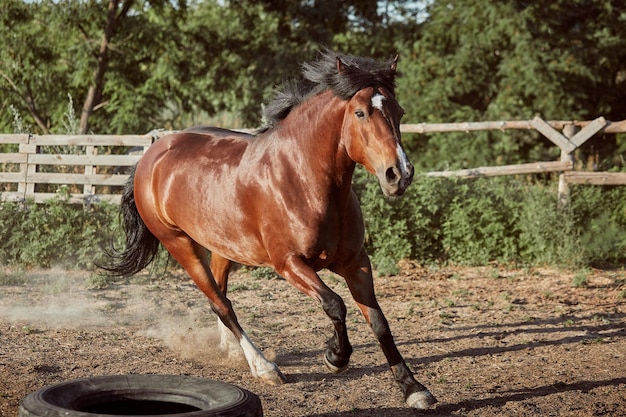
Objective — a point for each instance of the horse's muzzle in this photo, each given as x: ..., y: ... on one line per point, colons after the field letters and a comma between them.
x: 396, y: 179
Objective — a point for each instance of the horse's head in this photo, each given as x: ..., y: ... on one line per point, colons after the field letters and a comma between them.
x: 371, y: 134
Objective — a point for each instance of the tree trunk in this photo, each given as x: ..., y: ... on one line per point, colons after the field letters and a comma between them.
x: 94, y: 94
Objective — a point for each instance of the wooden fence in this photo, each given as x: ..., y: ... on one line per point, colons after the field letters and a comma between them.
x: 572, y: 136
x: 93, y: 165
x: 89, y: 165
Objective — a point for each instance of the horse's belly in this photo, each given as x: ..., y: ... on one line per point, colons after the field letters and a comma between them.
x: 243, y: 251
x: 221, y: 226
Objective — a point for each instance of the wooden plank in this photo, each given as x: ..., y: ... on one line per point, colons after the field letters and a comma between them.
x: 13, y: 177
x: 29, y: 168
x: 11, y: 196
x: 612, y: 127
x: 553, y: 135
x: 615, y: 127
x: 531, y: 168
x: 12, y: 158
x: 14, y: 138
x: 97, y: 140
x: 99, y: 160
x: 595, y: 178
x: 74, y: 198
x: 90, y: 151
x: 588, y: 131
x: 463, y: 127
x: 82, y: 179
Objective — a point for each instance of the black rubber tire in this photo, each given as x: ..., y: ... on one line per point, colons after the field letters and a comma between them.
x: 182, y: 396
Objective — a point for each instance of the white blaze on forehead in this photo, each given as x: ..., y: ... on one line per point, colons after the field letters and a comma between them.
x: 377, y: 101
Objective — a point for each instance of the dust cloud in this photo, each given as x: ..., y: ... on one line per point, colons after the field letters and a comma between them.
x: 48, y: 299
x: 53, y: 299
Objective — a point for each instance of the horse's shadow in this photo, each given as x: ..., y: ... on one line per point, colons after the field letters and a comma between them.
x: 587, y: 333
x: 466, y: 406
x: 614, y: 329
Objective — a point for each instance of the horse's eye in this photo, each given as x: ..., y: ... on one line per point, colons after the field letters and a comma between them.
x: 359, y: 114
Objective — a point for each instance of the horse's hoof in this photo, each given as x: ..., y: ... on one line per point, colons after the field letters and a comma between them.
x: 333, y: 368
x: 421, y: 400
x: 273, y: 378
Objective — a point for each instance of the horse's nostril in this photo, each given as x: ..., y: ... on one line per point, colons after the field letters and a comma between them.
x: 392, y: 174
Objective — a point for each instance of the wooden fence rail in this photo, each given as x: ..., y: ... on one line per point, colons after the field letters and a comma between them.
x: 95, y: 166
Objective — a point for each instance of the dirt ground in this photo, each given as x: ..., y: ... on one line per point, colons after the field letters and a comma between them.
x: 486, y: 341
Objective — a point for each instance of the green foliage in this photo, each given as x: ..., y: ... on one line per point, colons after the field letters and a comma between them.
x: 480, y: 223
x: 601, y: 227
x: 580, y: 279
x: 167, y: 63
x: 547, y: 235
x: 263, y: 273
x: 506, y: 220
x: 56, y: 233
x: 98, y: 282
x: 17, y: 277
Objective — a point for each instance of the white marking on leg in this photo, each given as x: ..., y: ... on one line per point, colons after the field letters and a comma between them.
x: 259, y: 365
x: 377, y: 101
x: 228, y: 341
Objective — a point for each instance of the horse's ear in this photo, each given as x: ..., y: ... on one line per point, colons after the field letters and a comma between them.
x: 340, y: 65
x: 394, y: 62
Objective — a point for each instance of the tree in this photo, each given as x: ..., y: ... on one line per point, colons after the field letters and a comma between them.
x: 141, y: 64
x: 115, y: 12
x: 58, y: 48
x: 31, y: 71
x: 477, y: 60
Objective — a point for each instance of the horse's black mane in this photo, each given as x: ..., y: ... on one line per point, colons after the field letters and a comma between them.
x: 321, y: 75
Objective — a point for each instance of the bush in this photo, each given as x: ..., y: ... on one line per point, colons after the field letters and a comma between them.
x: 480, y: 223
x: 505, y: 220
x: 56, y: 233
x: 600, y: 222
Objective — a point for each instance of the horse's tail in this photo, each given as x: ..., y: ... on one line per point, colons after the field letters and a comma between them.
x: 141, y: 245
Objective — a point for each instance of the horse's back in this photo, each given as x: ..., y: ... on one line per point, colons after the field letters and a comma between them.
x: 199, y: 145
x: 219, y: 132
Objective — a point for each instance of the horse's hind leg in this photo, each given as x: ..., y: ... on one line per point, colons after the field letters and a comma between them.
x: 359, y: 279
x: 192, y: 257
x: 220, y: 267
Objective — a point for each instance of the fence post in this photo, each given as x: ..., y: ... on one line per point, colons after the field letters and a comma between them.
x: 90, y: 189
x: 569, y: 131
x: 27, y: 187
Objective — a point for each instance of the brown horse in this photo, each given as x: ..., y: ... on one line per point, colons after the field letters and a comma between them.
x: 281, y: 198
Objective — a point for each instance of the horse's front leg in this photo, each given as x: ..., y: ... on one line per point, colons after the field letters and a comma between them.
x: 358, y: 276
x: 306, y: 280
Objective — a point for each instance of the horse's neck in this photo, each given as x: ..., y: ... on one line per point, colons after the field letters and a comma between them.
x: 313, y: 131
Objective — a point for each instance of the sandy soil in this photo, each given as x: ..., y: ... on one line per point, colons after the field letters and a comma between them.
x: 486, y: 341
